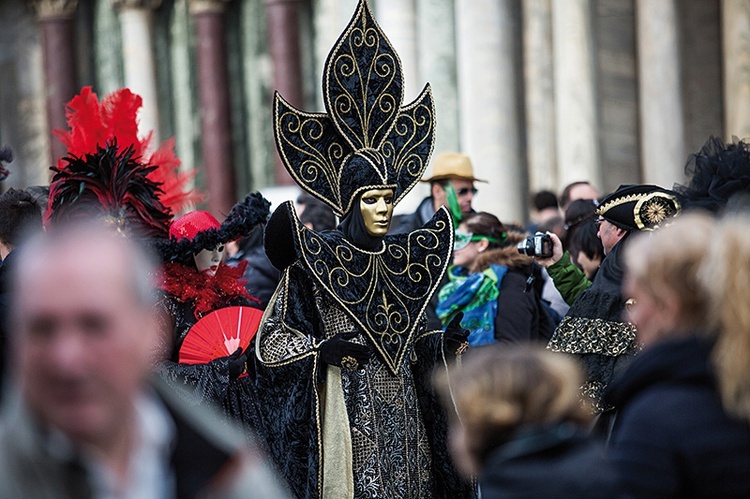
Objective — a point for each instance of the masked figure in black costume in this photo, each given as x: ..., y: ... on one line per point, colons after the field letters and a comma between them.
x: 345, y: 359
x: 195, y: 282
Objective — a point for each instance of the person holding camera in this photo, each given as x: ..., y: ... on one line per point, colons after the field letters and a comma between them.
x: 594, y: 329
x: 497, y: 288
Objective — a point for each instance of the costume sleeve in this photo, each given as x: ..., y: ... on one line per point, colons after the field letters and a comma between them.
x: 287, y: 383
x: 199, y: 383
x: 429, y: 357
x: 569, y: 280
x: 288, y: 331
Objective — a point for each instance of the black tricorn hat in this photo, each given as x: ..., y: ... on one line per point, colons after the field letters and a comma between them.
x: 639, y: 207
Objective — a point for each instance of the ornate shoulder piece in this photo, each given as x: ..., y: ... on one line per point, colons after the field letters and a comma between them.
x: 366, y: 140
x: 385, y: 292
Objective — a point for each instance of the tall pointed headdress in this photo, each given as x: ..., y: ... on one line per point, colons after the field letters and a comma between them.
x: 366, y: 140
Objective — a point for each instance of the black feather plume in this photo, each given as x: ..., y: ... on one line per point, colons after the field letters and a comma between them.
x: 110, y: 183
x: 242, y: 219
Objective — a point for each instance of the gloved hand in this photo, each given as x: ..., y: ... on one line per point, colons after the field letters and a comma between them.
x: 238, y: 363
x: 456, y: 338
x: 338, y: 351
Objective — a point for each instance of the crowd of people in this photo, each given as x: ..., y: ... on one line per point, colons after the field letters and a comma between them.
x: 333, y: 350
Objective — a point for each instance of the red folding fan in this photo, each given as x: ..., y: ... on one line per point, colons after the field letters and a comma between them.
x: 220, y: 333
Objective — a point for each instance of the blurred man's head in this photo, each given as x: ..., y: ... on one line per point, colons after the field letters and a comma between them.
x: 577, y: 190
x: 452, y: 171
x: 20, y: 216
x: 84, y: 330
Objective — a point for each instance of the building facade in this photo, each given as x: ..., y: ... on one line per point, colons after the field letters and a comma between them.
x: 539, y: 93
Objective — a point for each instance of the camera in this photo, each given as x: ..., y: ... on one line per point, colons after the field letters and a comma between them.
x: 539, y: 245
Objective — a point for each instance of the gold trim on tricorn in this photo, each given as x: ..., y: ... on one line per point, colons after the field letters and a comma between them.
x: 655, y: 208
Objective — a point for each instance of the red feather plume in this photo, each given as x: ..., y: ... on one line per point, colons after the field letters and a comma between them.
x: 95, y: 124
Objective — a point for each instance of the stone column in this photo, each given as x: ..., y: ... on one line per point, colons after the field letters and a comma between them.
x: 575, y: 93
x: 437, y: 65
x: 540, y: 100
x: 661, y: 115
x: 284, y: 45
x: 736, y: 44
x: 398, y: 19
x: 213, y: 86
x: 58, y: 45
x: 330, y: 19
x: 487, y: 49
x: 136, y: 25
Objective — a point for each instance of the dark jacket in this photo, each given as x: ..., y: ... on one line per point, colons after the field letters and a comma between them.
x: 521, y: 313
x: 413, y: 221
x: 672, y: 437
x: 261, y: 277
x: 6, y: 268
x: 204, y: 454
x: 556, y: 462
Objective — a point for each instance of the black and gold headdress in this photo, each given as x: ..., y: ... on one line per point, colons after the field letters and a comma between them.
x: 366, y: 140
x: 639, y: 207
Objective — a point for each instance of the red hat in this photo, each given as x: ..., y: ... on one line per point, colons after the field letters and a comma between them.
x: 191, y: 224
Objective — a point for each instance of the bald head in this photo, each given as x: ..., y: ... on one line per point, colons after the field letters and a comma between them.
x: 84, y: 329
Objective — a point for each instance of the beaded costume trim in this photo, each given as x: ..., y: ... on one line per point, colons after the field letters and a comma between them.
x: 580, y: 335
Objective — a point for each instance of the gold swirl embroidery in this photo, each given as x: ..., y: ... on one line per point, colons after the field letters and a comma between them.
x: 363, y: 98
x: 376, y: 282
x: 375, y: 115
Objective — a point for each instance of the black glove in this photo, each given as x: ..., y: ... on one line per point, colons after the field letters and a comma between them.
x: 456, y: 338
x: 341, y: 352
x: 238, y: 363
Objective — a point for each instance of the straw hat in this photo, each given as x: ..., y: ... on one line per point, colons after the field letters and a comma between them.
x: 450, y: 165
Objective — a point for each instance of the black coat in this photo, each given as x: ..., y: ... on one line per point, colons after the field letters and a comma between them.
x: 521, y: 314
x: 6, y: 267
x: 402, y: 224
x: 672, y: 437
x: 261, y: 277
x: 557, y: 462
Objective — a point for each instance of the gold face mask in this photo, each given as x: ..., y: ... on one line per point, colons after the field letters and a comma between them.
x: 376, y: 206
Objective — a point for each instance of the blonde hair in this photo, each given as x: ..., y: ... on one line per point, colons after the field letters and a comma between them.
x: 499, y: 388
x: 665, y: 264
x: 726, y: 273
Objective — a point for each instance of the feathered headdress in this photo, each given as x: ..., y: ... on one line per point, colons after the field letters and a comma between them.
x: 244, y: 216
x: 366, y: 140
x: 718, y: 171
x: 106, y: 168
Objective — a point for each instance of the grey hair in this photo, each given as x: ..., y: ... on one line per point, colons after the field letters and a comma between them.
x: 141, y: 261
